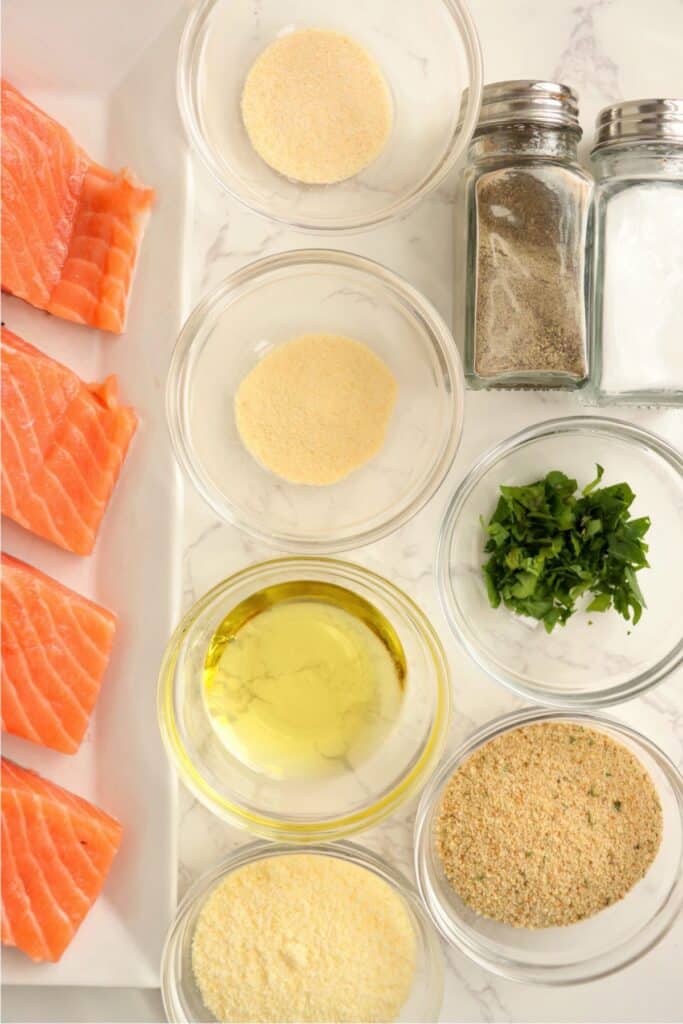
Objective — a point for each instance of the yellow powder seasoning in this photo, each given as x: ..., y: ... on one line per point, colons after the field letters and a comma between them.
x: 316, y: 408
x: 316, y: 107
x: 303, y: 937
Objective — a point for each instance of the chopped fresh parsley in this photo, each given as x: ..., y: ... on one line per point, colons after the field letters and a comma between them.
x: 549, y: 546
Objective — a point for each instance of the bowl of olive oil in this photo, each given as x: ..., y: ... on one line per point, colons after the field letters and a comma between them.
x: 304, y: 698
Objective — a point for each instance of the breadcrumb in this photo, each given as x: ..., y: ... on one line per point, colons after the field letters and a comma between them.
x: 548, y: 824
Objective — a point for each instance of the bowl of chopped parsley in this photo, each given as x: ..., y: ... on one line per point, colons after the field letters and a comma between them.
x: 560, y: 561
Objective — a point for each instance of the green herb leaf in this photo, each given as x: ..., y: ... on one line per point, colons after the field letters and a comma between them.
x: 549, y: 545
x: 600, y: 603
x: 594, y: 483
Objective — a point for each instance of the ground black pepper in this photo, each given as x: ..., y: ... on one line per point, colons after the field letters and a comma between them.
x: 529, y: 267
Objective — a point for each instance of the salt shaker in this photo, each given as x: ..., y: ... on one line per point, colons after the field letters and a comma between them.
x: 525, y: 216
x: 638, y: 278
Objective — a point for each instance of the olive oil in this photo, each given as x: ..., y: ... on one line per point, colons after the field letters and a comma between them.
x: 303, y: 680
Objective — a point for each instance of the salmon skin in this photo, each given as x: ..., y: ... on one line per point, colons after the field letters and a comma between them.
x: 70, y: 228
x: 55, y: 649
x: 63, y: 445
x: 57, y: 850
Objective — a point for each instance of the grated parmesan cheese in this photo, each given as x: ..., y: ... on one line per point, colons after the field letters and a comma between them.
x: 303, y: 937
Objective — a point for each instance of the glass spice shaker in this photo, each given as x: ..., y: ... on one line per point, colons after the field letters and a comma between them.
x: 638, y: 269
x: 525, y: 217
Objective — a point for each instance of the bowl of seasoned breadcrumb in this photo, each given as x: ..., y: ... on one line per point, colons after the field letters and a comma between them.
x: 329, y: 117
x: 549, y: 847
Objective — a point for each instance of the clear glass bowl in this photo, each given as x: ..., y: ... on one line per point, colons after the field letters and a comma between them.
x: 581, y: 952
x: 301, y: 810
x: 181, y: 997
x: 429, y: 53
x: 272, y: 301
x: 578, y: 664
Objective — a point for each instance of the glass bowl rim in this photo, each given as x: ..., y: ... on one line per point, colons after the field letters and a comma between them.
x: 259, y: 849
x: 612, y: 428
x: 655, y: 929
x: 271, y: 826
x: 218, y: 298
x: 465, y: 27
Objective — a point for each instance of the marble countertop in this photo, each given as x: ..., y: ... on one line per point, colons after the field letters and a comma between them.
x: 606, y: 49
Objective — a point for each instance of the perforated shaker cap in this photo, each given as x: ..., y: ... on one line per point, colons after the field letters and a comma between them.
x: 651, y: 120
x: 528, y: 101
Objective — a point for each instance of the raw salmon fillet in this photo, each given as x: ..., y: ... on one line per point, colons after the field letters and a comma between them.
x: 57, y: 850
x: 70, y: 228
x: 63, y: 445
x: 55, y: 648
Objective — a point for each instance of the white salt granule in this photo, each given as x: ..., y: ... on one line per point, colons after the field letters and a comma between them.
x: 642, y: 312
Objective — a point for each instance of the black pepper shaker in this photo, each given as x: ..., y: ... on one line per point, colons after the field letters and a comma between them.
x: 525, y: 207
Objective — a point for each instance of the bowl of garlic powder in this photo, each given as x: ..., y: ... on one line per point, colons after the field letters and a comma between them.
x: 315, y: 399
x: 329, y: 117
x: 329, y: 933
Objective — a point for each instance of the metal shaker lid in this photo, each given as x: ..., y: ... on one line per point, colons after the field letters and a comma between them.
x: 639, y: 121
x: 528, y: 101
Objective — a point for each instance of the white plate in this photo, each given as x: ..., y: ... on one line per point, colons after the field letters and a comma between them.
x: 108, y: 74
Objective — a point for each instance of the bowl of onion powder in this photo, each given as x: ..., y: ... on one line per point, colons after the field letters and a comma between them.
x: 315, y: 400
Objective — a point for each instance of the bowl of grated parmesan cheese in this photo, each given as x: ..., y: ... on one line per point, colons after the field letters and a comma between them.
x: 277, y: 933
